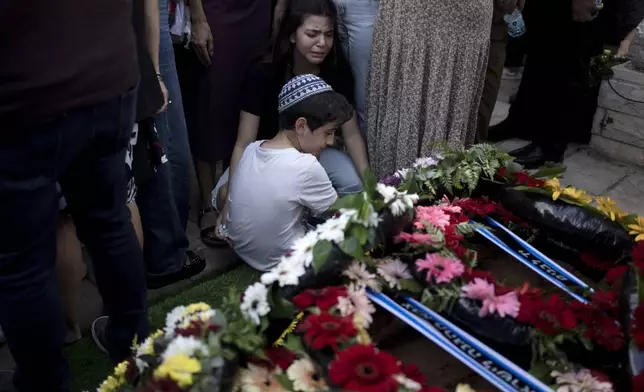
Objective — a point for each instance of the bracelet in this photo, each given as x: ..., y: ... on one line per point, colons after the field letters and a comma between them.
x: 160, y: 77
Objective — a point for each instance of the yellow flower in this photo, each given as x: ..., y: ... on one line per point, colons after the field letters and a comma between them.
x: 179, y: 368
x: 608, y: 207
x: 464, y: 388
x: 577, y: 194
x: 120, y: 370
x: 554, y: 185
x: 198, y: 307
x: 157, y: 334
x: 111, y: 384
x: 637, y: 229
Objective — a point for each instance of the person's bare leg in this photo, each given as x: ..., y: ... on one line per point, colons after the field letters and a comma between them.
x: 136, y: 221
x: 206, y: 174
x: 221, y: 197
x: 71, y: 271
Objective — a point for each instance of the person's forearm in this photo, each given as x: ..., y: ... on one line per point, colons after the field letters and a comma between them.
x: 197, y: 13
x: 238, y: 151
x: 152, y: 31
x: 356, y: 145
x: 278, y: 15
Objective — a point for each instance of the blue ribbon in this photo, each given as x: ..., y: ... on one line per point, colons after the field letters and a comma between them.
x: 496, y: 369
x: 536, y: 253
x: 537, y: 265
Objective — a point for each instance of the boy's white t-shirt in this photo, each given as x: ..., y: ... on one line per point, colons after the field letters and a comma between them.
x: 269, y: 194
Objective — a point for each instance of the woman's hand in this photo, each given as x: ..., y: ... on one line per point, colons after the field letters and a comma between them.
x: 202, y: 41
x: 164, y: 91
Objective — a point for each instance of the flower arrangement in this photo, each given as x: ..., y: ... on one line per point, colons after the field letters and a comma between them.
x: 429, y: 255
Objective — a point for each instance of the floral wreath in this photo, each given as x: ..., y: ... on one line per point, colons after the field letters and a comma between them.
x: 326, y: 344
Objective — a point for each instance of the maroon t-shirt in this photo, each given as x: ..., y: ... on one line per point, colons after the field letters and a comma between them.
x: 63, y: 54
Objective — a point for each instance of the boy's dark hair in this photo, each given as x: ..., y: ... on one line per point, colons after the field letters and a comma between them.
x: 318, y: 110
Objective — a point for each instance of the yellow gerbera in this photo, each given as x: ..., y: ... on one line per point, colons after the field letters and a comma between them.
x: 609, y: 207
x: 637, y: 229
x: 577, y: 194
x: 198, y: 307
x: 179, y: 368
x: 554, y: 185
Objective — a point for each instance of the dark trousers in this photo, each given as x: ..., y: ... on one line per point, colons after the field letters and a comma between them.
x: 165, y: 239
x: 555, y: 103
x: 493, y: 74
x: 83, y: 150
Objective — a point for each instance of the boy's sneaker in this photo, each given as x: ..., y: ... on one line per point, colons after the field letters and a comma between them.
x: 194, y: 264
x: 6, y: 381
x: 98, y: 332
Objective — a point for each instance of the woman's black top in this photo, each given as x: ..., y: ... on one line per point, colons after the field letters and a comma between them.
x: 262, y: 86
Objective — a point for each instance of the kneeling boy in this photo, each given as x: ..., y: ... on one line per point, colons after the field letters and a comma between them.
x: 277, y: 180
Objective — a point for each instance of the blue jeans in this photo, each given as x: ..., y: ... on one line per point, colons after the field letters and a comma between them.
x: 164, y: 200
x: 356, y: 18
x: 84, y: 151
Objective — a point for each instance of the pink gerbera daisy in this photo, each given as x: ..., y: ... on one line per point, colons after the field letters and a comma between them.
x: 433, y: 215
x: 442, y: 269
x: 481, y: 290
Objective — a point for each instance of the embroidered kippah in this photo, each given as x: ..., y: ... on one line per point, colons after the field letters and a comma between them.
x: 300, y: 88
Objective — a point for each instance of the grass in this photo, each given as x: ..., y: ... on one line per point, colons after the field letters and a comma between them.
x: 90, y: 366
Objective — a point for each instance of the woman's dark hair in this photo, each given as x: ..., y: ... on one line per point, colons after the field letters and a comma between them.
x: 318, y: 110
x: 294, y: 15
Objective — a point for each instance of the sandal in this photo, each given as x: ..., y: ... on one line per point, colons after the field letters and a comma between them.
x: 208, y: 234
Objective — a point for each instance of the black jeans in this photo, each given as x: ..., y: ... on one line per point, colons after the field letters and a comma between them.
x: 84, y: 150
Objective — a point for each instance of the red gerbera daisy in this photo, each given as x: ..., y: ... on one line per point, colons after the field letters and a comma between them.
x: 324, y: 299
x: 280, y: 356
x: 637, y: 328
x: 524, y: 178
x: 362, y: 368
x: 551, y: 317
x: 412, y: 372
x: 325, y: 330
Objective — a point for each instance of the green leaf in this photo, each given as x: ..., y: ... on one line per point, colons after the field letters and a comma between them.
x: 284, y: 381
x: 294, y: 344
x: 588, y: 345
x: 359, y: 232
x: 410, y: 285
x: 369, y: 181
x: 549, y: 171
x: 280, y: 306
x: 351, y: 247
x: 352, y: 201
x: 540, y: 370
x: 321, y: 252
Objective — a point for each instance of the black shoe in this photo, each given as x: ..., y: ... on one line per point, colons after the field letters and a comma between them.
x: 6, y: 381
x: 527, y: 150
x: 193, y: 265
x: 501, y: 131
x: 536, y: 157
x: 98, y: 332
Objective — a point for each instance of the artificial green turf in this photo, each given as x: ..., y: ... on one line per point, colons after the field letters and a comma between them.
x: 90, y: 366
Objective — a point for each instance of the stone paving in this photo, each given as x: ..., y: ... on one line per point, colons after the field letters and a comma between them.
x: 586, y: 169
